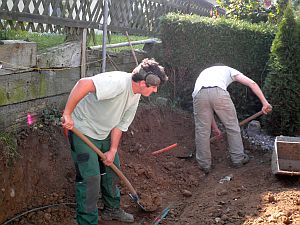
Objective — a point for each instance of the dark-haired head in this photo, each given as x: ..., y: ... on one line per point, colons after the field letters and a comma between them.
x: 150, y: 71
x: 218, y: 64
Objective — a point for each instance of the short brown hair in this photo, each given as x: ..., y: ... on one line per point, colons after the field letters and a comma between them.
x: 148, y: 70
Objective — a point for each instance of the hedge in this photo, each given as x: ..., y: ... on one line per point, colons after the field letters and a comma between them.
x: 190, y: 43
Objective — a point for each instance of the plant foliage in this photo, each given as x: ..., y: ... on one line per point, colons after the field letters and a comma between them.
x: 8, y: 148
x: 282, y: 82
x: 250, y: 10
x: 255, y: 11
x: 191, y: 43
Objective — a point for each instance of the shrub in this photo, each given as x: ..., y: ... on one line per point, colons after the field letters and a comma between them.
x: 282, y: 83
x: 191, y: 43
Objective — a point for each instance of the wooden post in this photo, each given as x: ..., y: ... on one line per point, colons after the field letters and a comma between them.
x: 105, y: 17
x: 132, y: 50
x: 83, y: 53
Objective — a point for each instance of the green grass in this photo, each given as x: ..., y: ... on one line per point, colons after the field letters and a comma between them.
x: 43, y: 41
x: 46, y: 40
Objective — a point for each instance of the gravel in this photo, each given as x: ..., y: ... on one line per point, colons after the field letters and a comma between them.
x: 257, y: 137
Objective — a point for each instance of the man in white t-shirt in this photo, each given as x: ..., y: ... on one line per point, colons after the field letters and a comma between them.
x: 102, y: 107
x: 210, y: 96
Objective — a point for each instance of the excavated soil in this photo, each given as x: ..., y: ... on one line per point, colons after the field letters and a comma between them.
x: 38, y: 188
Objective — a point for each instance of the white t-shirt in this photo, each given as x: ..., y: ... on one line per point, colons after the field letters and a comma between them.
x: 112, y: 105
x: 220, y: 76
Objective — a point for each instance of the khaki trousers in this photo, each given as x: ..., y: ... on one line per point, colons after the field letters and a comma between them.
x: 205, y: 103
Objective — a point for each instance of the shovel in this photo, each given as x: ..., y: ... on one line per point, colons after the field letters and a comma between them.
x: 133, y: 195
x: 243, y: 122
x: 190, y: 155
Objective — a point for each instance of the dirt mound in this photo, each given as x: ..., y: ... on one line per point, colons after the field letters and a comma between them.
x: 41, y: 175
x: 42, y: 179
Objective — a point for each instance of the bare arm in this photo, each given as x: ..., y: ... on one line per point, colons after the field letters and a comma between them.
x: 256, y: 90
x: 116, y: 135
x: 79, y: 91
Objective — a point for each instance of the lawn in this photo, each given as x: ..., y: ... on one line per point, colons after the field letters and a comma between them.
x: 46, y: 40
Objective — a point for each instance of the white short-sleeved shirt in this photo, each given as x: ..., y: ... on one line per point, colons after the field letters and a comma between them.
x: 113, y: 105
x: 220, y: 76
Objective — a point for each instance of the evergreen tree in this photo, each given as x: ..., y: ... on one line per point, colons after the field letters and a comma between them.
x: 282, y: 85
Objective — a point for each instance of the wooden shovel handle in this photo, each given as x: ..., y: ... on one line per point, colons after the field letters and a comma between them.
x: 247, y: 120
x: 243, y: 122
x: 103, y: 157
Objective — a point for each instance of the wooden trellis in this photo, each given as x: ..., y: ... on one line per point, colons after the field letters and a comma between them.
x: 70, y: 16
x: 53, y: 16
x: 142, y: 16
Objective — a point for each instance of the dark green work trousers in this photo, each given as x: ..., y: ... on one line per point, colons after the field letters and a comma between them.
x: 89, y: 182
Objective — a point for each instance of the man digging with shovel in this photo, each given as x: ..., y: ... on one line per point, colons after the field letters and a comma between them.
x: 211, y: 96
x: 102, y: 107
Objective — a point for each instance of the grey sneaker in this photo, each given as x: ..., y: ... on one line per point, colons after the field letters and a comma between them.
x: 244, y: 161
x: 116, y: 214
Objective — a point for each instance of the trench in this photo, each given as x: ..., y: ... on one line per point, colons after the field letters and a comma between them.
x: 39, y: 188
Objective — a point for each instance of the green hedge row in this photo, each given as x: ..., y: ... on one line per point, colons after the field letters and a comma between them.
x: 191, y: 43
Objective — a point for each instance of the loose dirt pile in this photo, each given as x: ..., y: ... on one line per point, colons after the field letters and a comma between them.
x: 41, y: 182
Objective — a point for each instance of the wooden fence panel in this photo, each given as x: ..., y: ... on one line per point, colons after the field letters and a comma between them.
x: 50, y: 15
x: 142, y: 16
x: 70, y: 16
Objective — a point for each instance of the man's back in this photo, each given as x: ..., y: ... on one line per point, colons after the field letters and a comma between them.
x: 215, y: 76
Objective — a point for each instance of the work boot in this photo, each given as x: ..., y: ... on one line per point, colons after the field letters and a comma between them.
x: 116, y: 214
x: 206, y: 170
x: 244, y: 161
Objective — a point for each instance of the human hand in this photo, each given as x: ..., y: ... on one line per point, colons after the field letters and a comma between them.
x: 67, y: 122
x: 217, y: 133
x: 267, y: 108
x: 110, y: 157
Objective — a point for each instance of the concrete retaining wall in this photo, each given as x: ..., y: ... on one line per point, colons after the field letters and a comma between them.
x: 27, y: 91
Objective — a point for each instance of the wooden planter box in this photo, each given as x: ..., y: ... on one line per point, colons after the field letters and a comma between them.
x: 286, y: 156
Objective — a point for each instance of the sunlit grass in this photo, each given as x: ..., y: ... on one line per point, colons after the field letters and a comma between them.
x: 43, y: 41
x: 46, y: 40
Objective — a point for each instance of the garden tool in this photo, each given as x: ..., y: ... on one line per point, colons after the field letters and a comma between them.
x: 243, y: 122
x: 133, y: 195
x: 190, y: 155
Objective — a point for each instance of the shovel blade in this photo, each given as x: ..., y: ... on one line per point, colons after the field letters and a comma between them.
x: 135, y: 198
x: 186, y: 156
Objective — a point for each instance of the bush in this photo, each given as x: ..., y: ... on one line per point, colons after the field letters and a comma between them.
x: 191, y: 43
x: 282, y: 83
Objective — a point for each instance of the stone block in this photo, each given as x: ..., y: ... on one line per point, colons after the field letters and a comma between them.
x: 64, y: 55
x: 17, y: 54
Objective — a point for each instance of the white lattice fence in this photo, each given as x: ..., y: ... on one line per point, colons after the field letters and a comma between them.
x: 50, y: 15
x: 69, y: 16
x: 142, y: 16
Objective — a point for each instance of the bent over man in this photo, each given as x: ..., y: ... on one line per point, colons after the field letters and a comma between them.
x: 102, y: 107
x: 210, y: 96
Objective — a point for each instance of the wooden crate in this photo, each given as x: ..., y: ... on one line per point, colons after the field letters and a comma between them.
x: 286, y: 156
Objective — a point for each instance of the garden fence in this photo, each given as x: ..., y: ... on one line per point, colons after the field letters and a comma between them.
x: 71, y: 16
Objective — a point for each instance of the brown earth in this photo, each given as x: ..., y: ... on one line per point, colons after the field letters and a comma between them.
x: 39, y: 187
